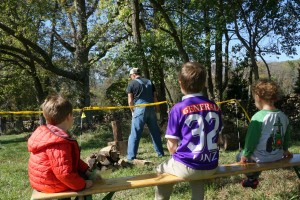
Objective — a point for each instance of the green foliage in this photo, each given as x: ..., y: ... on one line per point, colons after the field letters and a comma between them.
x: 284, y: 73
x: 116, y: 92
x: 58, y: 37
x: 100, y: 41
x: 297, y: 84
x: 238, y: 86
x: 17, y: 92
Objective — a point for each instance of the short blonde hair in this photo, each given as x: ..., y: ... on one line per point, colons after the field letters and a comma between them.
x: 56, y: 109
x: 267, y: 90
x: 192, y: 77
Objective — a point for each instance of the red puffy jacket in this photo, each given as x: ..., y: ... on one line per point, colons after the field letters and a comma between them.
x: 54, y: 164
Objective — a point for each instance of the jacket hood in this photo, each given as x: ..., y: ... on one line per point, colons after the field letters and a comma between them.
x: 45, y: 136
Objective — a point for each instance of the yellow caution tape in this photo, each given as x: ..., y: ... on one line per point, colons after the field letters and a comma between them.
x: 22, y: 113
x: 121, y: 107
x: 83, y: 115
x: 79, y: 110
x: 238, y: 103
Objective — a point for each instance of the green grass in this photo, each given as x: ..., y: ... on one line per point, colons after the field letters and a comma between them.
x: 281, y: 184
x: 14, y: 182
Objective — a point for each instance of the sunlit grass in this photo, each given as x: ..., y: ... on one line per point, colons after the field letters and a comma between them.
x: 14, y: 182
x: 278, y: 184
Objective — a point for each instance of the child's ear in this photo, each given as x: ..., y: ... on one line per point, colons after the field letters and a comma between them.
x: 70, y: 116
x: 256, y: 97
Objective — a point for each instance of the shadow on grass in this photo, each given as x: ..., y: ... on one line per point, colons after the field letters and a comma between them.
x: 100, y: 137
x: 96, y: 141
x: 103, y: 134
x: 14, y: 140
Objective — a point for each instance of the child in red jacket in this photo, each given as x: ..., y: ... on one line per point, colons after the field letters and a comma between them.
x: 54, y: 164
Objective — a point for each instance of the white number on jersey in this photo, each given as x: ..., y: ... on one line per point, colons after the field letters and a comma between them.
x: 211, y: 118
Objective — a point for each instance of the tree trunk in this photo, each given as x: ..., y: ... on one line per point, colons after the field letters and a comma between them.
x: 81, y: 52
x: 135, y: 21
x: 173, y: 32
x: 267, y: 66
x: 207, y: 53
x: 137, y: 35
x: 159, y: 73
x: 218, y: 50
x: 226, y: 63
x: 219, y: 64
x: 161, y: 95
x: 254, y: 66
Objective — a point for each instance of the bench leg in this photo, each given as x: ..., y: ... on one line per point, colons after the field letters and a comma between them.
x: 297, y: 170
x: 87, y: 197
x: 109, y: 196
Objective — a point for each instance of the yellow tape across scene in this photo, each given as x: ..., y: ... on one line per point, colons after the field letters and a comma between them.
x: 26, y: 113
x: 238, y: 103
x: 121, y: 107
x: 21, y: 113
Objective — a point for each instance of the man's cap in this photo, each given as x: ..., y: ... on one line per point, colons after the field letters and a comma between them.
x: 135, y: 71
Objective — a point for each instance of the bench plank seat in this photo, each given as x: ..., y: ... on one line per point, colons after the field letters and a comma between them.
x: 153, y: 179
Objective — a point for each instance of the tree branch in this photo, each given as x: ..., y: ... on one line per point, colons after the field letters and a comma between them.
x: 64, y: 43
x: 174, y: 34
x: 106, y: 48
x: 93, y: 8
x: 46, y: 62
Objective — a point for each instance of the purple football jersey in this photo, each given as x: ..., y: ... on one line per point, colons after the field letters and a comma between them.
x: 196, y: 123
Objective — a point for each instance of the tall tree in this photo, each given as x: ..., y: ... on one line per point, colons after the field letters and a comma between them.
x: 135, y: 23
x: 171, y: 29
x: 77, y: 33
x: 207, y: 51
x: 219, y: 47
x: 261, y: 25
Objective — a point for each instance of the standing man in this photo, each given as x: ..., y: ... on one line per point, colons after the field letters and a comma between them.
x: 141, y: 91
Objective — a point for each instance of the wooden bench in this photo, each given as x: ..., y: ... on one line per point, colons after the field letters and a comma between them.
x: 139, y: 181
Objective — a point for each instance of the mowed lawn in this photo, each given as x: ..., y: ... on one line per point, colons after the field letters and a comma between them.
x: 278, y: 184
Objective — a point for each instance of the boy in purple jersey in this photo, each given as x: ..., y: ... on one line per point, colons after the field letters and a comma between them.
x: 192, y: 134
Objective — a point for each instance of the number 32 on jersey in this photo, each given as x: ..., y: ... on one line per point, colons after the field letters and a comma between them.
x: 212, y: 119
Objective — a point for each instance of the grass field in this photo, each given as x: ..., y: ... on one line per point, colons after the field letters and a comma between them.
x: 281, y: 184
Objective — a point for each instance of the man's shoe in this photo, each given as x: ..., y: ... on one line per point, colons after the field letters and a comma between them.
x: 129, y: 161
x: 250, y: 183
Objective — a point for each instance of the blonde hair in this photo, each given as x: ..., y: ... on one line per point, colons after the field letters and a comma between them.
x: 56, y: 109
x: 267, y: 90
x: 192, y: 77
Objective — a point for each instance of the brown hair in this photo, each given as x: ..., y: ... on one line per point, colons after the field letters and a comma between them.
x: 192, y: 77
x: 266, y: 89
x: 56, y: 109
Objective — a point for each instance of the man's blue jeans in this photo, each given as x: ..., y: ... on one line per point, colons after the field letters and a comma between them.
x: 142, y: 116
